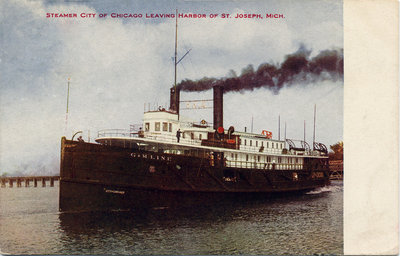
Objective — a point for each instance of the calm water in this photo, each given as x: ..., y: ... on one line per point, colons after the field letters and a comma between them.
x: 309, y: 224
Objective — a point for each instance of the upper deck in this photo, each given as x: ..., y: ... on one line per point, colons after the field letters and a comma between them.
x: 159, y: 133
x: 162, y: 127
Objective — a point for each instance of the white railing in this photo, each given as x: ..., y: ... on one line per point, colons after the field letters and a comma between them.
x: 277, y: 151
x: 257, y: 149
x: 152, y: 136
x: 116, y: 133
x: 266, y: 166
x: 172, y: 138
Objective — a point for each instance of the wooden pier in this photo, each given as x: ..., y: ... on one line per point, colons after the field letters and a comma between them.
x: 18, y: 181
x: 336, y: 168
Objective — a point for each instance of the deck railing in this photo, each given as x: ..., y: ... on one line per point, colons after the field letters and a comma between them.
x: 152, y: 136
x: 187, y: 140
x: 257, y: 149
x: 261, y: 165
x: 116, y: 133
x: 172, y: 138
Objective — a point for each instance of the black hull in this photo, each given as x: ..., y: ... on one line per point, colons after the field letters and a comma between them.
x: 98, y: 177
x: 83, y: 196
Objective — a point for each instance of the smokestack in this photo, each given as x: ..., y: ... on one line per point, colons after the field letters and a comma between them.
x: 218, y: 106
x: 174, y: 99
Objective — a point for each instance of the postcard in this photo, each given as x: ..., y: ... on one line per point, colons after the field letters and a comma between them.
x: 198, y: 127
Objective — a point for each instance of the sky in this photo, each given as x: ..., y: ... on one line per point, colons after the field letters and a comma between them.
x: 117, y: 65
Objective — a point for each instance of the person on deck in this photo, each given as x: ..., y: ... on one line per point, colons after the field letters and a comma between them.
x: 178, y: 134
x: 80, y: 139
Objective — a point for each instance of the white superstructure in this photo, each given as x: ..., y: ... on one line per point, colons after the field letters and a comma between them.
x: 247, y: 150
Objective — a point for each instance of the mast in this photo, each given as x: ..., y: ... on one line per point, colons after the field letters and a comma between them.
x: 279, y: 127
x: 315, y: 114
x: 285, y: 134
x: 176, y: 50
x: 174, y: 96
x: 66, y: 113
x: 176, y: 43
x: 252, y: 124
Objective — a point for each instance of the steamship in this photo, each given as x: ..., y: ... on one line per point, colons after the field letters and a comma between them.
x: 170, y: 161
x: 152, y: 167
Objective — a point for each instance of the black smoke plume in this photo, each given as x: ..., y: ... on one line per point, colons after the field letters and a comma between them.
x: 297, y: 68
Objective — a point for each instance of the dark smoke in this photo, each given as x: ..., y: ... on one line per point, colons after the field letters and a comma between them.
x: 297, y: 68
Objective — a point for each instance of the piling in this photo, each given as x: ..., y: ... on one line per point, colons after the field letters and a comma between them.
x: 20, y: 180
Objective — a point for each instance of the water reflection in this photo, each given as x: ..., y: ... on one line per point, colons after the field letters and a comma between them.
x: 304, y: 224
x: 220, y: 212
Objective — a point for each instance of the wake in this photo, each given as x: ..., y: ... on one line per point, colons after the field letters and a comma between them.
x: 330, y: 188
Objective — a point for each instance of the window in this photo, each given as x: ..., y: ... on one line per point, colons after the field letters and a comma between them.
x: 297, y: 160
x: 245, y: 142
x: 147, y: 127
x: 157, y: 127
x: 258, y: 158
x: 281, y: 145
x: 192, y: 135
x: 200, y: 136
x: 268, y: 159
x: 170, y: 127
x: 272, y: 145
x: 251, y: 142
x: 247, y: 157
x: 235, y: 156
x: 256, y: 143
x: 267, y: 144
x: 279, y: 160
x: 165, y: 127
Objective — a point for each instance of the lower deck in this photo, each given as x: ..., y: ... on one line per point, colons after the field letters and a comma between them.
x: 283, y: 160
